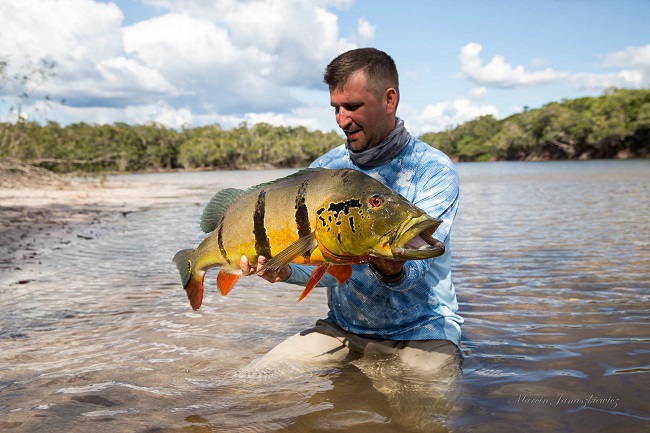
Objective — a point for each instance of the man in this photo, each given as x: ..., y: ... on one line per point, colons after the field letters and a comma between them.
x: 388, y: 307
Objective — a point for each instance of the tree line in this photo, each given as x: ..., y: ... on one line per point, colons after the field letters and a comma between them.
x: 616, y: 124
x: 119, y: 147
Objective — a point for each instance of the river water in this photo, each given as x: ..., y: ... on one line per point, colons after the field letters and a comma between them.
x: 552, y: 271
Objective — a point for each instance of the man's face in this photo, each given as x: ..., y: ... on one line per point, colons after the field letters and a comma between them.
x: 365, y: 120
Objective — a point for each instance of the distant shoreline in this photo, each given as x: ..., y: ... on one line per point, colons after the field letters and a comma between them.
x: 19, y: 175
x: 615, y: 125
x: 273, y: 167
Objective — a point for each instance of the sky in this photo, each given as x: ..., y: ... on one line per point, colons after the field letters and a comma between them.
x: 189, y: 63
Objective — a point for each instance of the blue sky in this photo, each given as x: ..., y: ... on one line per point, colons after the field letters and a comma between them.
x: 196, y: 62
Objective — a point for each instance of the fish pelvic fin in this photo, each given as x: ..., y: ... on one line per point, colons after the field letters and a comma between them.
x: 341, y: 272
x: 192, y: 283
x: 316, y: 276
x: 226, y: 281
x: 287, y: 255
x: 216, y: 208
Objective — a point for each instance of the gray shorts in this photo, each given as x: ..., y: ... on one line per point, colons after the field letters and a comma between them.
x: 417, y: 381
x: 328, y: 344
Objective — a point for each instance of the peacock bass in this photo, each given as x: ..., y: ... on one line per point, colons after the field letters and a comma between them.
x: 324, y: 217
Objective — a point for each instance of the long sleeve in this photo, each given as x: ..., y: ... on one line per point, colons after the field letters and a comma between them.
x: 421, y: 305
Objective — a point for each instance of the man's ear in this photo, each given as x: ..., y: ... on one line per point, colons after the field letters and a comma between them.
x: 390, y: 101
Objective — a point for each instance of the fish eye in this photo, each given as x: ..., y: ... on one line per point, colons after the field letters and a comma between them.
x: 376, y: 200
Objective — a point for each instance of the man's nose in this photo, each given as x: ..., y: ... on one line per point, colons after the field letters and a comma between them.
x: 343, y: 118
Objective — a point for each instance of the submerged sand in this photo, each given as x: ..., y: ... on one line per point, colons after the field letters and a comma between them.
x: 41, y: 211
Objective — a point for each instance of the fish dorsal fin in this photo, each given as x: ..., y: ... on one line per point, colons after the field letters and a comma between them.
x: 215, y: 209
x: 286, y: 256
x: 296, y: 174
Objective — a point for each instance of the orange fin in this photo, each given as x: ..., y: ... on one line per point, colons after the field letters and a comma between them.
x: 226, y: 281
x: 194, y: 290
x: 342, y: 273
x: 316, y: 276
x: 192, y: 282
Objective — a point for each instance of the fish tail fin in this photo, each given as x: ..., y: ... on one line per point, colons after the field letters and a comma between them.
x: 226, y: 281
x: 192, y: 283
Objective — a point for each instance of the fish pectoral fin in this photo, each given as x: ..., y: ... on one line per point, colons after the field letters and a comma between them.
x: 341, y: 272
x: 226, y: 281
x: 286, y: 256
x: 316, y: 276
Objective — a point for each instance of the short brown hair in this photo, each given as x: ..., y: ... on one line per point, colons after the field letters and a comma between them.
x: 378, y: 67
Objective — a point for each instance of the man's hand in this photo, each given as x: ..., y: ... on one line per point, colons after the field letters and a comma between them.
x: 269, y: 275
x: 389, y: 267
x: 390, y: 271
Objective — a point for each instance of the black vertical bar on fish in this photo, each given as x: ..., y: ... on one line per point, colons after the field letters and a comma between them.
x: 222, y: 249
x: 302, y: 216
x: 262, y: 243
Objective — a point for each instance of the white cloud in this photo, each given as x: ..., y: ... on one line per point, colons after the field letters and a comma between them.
x: 443, y: 115
x: 366, y: 30
x: 498, y: 73
x: 84, y: 39
x: 631, y: 57
x: 228, y: 61
x: 161, y: 112
x: 66, y: 30
x: 142, y: 113
x: 119, y: 72
x: 285, y: 42
x: 478, y: 93
x: 212, y: 58
x: 593, y: 81
x: 636, y: 60
x: 176, y: 43
x: 281, y: 119
x: 220, y: 10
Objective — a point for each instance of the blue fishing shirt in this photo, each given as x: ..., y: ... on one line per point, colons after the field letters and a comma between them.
x: 422, y: 305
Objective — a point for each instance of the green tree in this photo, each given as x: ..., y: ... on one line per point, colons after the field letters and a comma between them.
x: 22, y: 85
x: 468, y: 141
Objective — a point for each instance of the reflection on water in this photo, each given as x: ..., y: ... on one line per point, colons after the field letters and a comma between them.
x: 552, y: 268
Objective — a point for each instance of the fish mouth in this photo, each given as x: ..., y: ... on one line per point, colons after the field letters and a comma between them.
x: 413, y: 240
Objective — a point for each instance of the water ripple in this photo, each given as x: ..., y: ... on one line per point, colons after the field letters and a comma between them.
x: 550, y: 266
